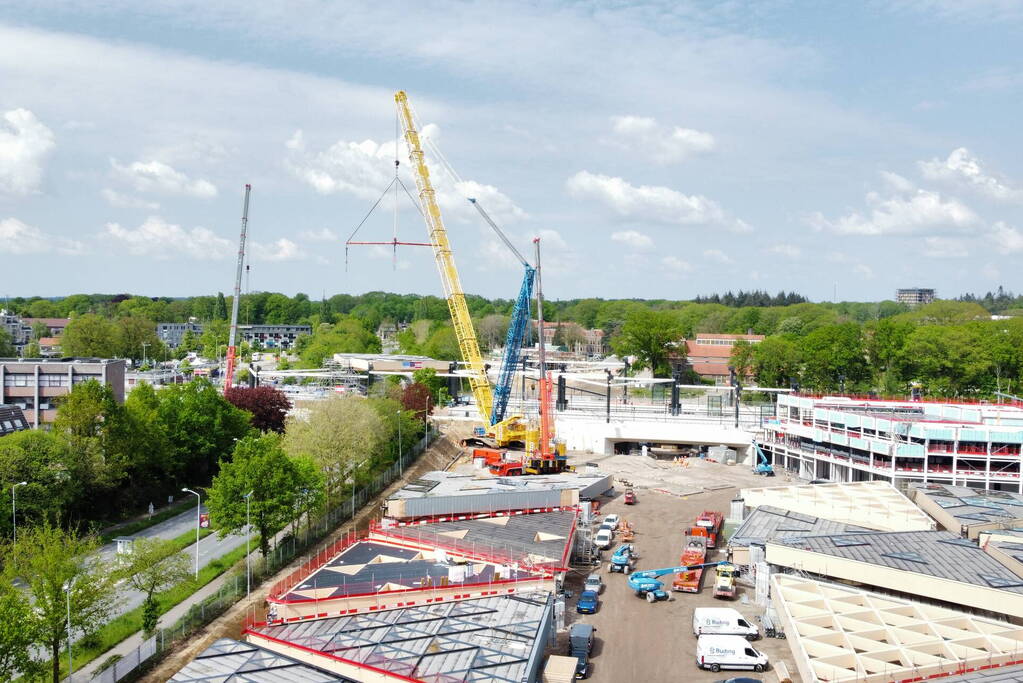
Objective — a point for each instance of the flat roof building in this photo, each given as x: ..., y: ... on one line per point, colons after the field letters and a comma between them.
x: 936, y: 565
x: 969, y: 511
x: 495, y: 638
x: 35, y: 384
x: 843, y: 633
x: 709, y: 355
x: 872, y: 504
x: 838, y: 438
x: 230, y: 660
x: 767, y: 523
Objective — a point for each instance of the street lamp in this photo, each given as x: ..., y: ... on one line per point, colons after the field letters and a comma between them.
x: 14, y: 509
x: 401, y: 467
x: 248, y: 535
x: 67, y: 592
x: 144, y: 345
x: 198, y: 502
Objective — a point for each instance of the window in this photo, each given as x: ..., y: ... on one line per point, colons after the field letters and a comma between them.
x: 750, y: 652
x: 19, y: 379
x: 908, y: 556
x: 847, y: 541
x: 1000, y: 581
x: 51, y: 380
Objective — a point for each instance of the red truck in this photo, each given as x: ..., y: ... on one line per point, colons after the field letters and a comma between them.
x: 694, y: 553
x: 708, y: 526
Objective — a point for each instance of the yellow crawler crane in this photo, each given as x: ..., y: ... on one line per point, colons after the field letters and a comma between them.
x: 460, y: 318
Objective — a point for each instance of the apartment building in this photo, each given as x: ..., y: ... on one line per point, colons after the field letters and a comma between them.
x: 845, y: 439
x: 34, y: 385
x: 270, y: 337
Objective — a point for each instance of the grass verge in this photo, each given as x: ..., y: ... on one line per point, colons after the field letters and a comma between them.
x: 130, y: 623
x: 108, y: 535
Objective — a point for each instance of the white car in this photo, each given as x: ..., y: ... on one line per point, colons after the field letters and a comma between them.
x: 603, y: 539
x: 611, y: 520
x: 593, y: 583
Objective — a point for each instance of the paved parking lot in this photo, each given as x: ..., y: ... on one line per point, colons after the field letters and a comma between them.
x: 650, y: 643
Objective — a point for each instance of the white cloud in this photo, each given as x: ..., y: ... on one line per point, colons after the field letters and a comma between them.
x: 1006, y: 237
x: 364, y: 169
x: 650, y: 202
x: 156, y: 237
x: 718, y: 256
x: 945, y: 248
x: 790, y: 251
x: 321, y: 235
x: 25, y: 142
x: 864, y: 271
x: 19, y: 239
x: 660, y: 144
x: 633, y: 239
x: 124, y: 201
x: 961, y: 169
x: 156, y: 176
x: 281, y: 250
x: 921, y: 211
x: 675, y: 264
x: 897, y: 182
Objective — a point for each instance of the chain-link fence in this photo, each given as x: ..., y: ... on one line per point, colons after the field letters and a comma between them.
x: 291, y: 545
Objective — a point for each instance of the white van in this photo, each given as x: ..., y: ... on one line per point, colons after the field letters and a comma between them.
x: 603, y: 539
x: 728, y: 652
x: 722, y: 621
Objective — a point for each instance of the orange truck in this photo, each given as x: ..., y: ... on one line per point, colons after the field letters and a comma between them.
x: 708, y: 526
x: 694, y: 553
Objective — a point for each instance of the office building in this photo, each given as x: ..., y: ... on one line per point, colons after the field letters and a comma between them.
x: 709, y: 355
x: 914, y: 296
x: 269, y: 337
x: 171, y: 334
x: 34, y: 385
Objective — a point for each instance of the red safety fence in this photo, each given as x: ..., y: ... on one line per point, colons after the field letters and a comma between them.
x: 903, y: 399
x: 314, y: 563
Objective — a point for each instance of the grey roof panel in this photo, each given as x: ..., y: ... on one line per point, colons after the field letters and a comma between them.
x: 767, y: 523
x: 230, y: 660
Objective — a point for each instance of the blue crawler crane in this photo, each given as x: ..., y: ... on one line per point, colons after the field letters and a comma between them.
x: 647, y: 586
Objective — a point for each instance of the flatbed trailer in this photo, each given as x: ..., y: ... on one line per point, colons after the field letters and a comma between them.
x: 694, y: 554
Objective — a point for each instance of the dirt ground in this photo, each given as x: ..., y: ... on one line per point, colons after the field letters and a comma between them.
x: 639, y: 641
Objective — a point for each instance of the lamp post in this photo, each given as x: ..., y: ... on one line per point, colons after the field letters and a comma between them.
x: 144, y: 345
x: 67, y: 593
x: 248, y: 535
x: 198, y: 504
x: 14, y: 509
x: 401, y: 467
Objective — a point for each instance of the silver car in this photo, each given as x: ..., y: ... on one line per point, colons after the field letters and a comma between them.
x: 593, y: 583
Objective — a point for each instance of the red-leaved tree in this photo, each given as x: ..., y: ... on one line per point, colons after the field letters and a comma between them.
x: 416, y: 397
x: 267, y: 405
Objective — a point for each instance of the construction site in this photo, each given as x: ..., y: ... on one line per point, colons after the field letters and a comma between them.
x: 563, y: 539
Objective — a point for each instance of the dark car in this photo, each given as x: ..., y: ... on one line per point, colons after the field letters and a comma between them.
x: 582, y: 667
x: 587, y: 603
x: 740, y: 679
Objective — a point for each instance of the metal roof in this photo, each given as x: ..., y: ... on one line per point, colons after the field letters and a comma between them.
x: 974, y: 506
x: 451, y: 484
x: 498, y: 638
x: 934, y: 553
x: 229, y: 660
x: 767, y: 523
x: 375, y: 567
x: 540, y: 537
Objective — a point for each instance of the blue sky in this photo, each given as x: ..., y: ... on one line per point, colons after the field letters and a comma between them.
x: 660, y: 150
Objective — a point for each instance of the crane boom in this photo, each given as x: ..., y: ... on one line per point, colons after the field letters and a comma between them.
x: 460, y: 318
x: 232, y: 348
x: 654, y: 573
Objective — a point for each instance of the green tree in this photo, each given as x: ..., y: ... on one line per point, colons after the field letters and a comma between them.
x: 741, y: 359
x: 89, y: 335
x: 153, y: 565
x: 341, y: 436
x: 834, y: 355
x: 346, y: 336
x: 278, y: 485
x: 6, y: 347
x: 19, y: 632
x: 57, y: 477
x: 776, y: 360
x: 437, y: 386
x: 442, y: 344
x: 40, y: 330
x: 136, y: 338
x: 56, y: 566
x: 201, y: 426
x: 650, y: 336
x: 31, y: 350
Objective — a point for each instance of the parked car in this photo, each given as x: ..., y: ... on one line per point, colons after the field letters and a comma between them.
x: 611, y: 519
x: 593, y: 583
x: 582, y: 667
x: 728, y: 652
x: 587, y: 603
x: 603, y: 539
x: 630, y: 497
x: 740, y: 679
